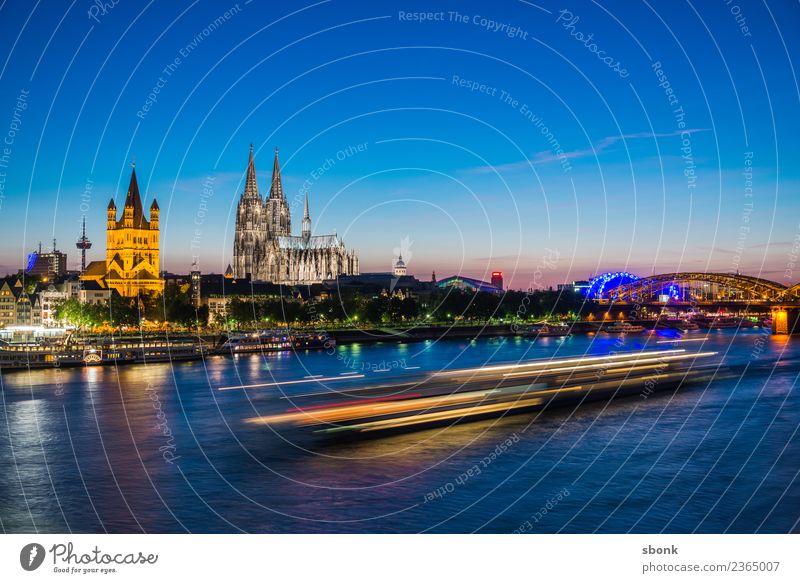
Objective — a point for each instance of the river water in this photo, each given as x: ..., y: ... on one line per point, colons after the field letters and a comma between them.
x: 159, y: 448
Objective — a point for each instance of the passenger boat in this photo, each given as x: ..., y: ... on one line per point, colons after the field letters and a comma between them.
x: 718, y: 323
x: 623, y: 328
x: 96, y: 351
x: 274, y: 341
x: 676, y: 324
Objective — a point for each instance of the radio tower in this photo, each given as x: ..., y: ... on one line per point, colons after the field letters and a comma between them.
x: 83, y: 244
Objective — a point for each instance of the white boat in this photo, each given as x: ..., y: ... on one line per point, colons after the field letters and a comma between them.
x: 623, y: 328
x: 274, y: 341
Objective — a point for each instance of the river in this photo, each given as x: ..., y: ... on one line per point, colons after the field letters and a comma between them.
x: 159, y: 448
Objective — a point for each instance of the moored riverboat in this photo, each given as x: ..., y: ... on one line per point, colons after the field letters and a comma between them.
x: 623, y: 328
x: 273, y: 341
x: 546, y: 330
x: 99, y: 351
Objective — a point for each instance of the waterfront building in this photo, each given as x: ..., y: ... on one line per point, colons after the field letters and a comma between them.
x: 264, y: 248
x: 18, y: 307
x: 8, y: 304
x: 49, y: 299
x: 86, y: 292
x: 132, y: 248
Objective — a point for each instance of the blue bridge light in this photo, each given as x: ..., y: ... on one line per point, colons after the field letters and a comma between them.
x: 602, y: 284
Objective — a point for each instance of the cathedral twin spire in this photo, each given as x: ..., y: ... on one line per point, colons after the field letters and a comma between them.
x: 251, y: 186
x: 278, y: 219
x: 276, y: 189
x: 265, y: 249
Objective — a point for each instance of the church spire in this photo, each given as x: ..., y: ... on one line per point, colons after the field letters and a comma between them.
x: 306, y: 220
x: 250, y: 185
x: 133, y: 203
x: 133, y: 199
x: 276, y: 190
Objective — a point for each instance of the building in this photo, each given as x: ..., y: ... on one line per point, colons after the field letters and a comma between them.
x: 400, y: 267
x: 497, y: 279
x: 49, y: 298
x: 264, y: 248
x: 469, y: 284
x: 18, y: 307
x: 86, y: 292
x: 47, y: 265
x: 93, y: 293
x: 132, y: 248
x: 580, y: 286
x: 8, y: 303
x: 216, y: 291
x: 380, y: 284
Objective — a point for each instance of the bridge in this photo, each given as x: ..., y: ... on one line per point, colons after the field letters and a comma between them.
x: 751, y: 289
x: 698, y: 288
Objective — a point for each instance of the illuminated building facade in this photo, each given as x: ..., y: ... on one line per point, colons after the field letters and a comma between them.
x: 264, y: 248
x: 132, y: 248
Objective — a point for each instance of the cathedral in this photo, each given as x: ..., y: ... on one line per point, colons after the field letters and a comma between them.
x: 265, y: 248
x: 132, y: 247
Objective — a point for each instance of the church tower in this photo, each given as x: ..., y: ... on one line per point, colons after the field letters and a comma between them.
x: 251, y: 225
x: 277, y: 207
x: 132, y: 247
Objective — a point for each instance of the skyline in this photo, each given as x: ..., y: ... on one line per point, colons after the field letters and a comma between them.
x: 430, y: 132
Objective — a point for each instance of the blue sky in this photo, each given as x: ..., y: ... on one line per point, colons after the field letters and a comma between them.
x: 472, y: 146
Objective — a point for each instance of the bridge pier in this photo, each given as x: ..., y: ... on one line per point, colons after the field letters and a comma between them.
x: 785, y: 320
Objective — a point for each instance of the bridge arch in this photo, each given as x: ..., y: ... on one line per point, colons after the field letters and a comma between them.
x: 600, y: 284
x: 754, y: 288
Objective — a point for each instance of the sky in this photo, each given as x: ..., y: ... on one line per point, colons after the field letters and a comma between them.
x: 550, y: 141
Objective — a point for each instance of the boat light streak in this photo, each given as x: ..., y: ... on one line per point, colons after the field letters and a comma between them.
x: 632, y: 362
x: 359, y: 402
x: 281, y: 383
x: 547, y: 362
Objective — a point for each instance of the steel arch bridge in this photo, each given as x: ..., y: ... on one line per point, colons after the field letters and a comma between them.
x: 754, y: 288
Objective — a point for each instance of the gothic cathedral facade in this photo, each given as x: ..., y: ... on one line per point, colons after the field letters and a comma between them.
x: 264, y: 247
